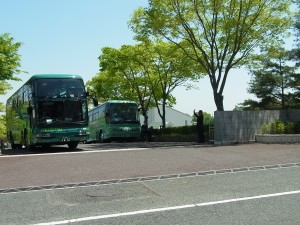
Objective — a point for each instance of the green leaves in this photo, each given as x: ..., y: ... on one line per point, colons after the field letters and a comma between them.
x: 9, y: 67
x: 146, y: 73
x: 274, y: 81
x: 4, y: 86
x: 218, y: 34
x: 9, y: 58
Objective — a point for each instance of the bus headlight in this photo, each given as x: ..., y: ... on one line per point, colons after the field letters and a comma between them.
x: 126, y: 129
x: 83, y: 132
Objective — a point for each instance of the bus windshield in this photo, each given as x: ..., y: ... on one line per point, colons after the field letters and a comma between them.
x: 61, y: 112
x: 60, y: 88
x: 60, y: 101
x: 123, y: 113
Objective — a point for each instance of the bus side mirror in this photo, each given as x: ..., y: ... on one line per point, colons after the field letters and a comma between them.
x: 29, y: 110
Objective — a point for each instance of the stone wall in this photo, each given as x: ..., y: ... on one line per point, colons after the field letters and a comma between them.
x: 278, y: 138
x: 242, y: 126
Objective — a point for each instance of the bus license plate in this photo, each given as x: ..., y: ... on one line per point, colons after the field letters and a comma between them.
x: 65, y: 139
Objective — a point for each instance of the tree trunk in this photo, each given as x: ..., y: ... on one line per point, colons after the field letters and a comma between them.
x: 145, y: 114
x: 218, y: 97
x: 219, y: 101
x: 164, y: 115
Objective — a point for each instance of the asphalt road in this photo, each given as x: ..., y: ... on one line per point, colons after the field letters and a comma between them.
x: 122, y: 183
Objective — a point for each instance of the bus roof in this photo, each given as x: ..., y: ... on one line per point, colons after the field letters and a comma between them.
x: 54, y: 76
x: 112, y: 101
x: 120, y: 101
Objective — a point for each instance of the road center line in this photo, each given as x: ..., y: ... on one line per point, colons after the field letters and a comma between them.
x: 169, y: 208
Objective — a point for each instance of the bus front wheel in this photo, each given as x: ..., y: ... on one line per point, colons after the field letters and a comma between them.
x: 72, y: 145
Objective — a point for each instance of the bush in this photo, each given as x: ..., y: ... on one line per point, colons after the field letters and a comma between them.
x: 278, y: 127
x: 266, y: 129
x: 289, y: 128
x: 273, y: 128
x: 184, y: 130
x: 297, y: 127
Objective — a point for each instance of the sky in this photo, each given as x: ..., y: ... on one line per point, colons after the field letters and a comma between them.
x: 66, y: 36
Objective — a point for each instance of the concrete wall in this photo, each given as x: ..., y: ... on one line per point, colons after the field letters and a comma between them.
x: 278, y: 138
x: 241, y: 126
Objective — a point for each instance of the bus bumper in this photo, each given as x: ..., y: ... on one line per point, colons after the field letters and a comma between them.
x: 63, y: 136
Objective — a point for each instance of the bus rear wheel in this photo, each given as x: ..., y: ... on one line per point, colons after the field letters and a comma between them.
x: 26, y: 142
x: 72, y: 145
x: 12, y: 142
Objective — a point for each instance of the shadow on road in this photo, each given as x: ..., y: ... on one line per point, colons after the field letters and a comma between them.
x: 126, y: 145
x: 100, y: 146
x: 38, y: 150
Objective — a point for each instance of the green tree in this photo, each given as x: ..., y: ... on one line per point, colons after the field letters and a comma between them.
x: 2, y: 127
x: 9, y: 62
x: 218, y: 35
x: 208, y: 119
x: 295, y: 53
x: 250, y: 104
x: 295, y: 84
x: 9, y: 58
x: 146, y: 73
x: 9, y: 67
x: 272, y: 81
x: 123, y: 77
x: 166, y: 68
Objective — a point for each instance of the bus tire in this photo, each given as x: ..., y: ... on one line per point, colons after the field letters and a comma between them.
x: 32, y: 147
x: 12, y: 142
x: 72, y: 145
x: 26, y: 143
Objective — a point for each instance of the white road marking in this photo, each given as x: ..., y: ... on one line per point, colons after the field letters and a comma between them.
x: 79, y: 152
x: 169, y: 208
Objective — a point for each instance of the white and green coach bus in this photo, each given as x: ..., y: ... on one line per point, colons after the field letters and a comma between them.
x: 48, y: 109
x: 115, y: 120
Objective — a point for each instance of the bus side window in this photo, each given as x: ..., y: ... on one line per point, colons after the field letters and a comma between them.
x: 107, y: 115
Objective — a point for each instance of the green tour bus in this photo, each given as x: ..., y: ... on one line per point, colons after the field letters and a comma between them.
x: 114, y: 120
x: 48, y: 109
